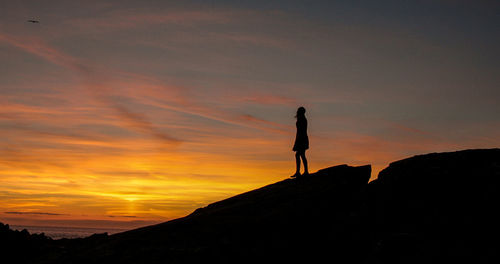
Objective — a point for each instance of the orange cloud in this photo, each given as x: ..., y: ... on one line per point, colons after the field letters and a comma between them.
x: 91, y: 76
x: 143, y: 125
x: 271, y: 126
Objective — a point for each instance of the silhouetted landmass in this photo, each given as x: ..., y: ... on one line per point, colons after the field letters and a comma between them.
x: 21, y: 246
x: 434, y: 208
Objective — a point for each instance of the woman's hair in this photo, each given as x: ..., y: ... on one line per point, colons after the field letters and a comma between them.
x: 300, y: 112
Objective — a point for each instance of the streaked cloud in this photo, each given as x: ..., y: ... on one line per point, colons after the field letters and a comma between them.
x: 31, y: 213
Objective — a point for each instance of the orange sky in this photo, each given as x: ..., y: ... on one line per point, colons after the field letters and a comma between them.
x: 122, y: 114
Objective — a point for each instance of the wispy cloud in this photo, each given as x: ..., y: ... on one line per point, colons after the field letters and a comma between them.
x: 97, y: 81
x: 32, y: 213
x: 141, y: 123
x: 406, y: 128
x: 269, y: 99
x: 265, y: 124
x: 124, y: 216
x: 93, y: 78
x: 127, y: 19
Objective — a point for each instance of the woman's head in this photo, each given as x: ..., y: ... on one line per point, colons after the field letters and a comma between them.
x: 301, y: 112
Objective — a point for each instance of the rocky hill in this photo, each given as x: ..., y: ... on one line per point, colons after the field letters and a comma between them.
x: 434, y: 208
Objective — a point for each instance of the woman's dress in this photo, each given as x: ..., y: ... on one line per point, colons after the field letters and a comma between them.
x: 301, y: 139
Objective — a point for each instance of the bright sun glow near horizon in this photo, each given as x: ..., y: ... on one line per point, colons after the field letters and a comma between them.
x: 121, y: 114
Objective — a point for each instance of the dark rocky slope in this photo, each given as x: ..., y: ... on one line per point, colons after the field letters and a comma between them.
x: 431, y: 208
x: 438, y: 208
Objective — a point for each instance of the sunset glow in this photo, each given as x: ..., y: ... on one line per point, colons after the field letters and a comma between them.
x: 126, y: 114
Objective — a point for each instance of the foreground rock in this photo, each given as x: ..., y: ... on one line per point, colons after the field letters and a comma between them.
x: 440, y: 207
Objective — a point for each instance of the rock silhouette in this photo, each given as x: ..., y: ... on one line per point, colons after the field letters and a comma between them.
x: 434, y: 208
x: 15, y: 244
x: 439, y: 207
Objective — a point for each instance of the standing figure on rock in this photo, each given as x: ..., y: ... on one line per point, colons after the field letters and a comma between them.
x: 301, y: 142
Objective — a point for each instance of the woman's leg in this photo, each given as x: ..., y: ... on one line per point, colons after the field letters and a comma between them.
x: 297, y: 162
x: 304, y: 160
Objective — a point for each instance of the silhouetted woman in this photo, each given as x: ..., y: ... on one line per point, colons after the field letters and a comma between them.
x: 301, y: 141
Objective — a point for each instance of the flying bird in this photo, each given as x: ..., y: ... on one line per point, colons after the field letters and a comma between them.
x: 33, y: 21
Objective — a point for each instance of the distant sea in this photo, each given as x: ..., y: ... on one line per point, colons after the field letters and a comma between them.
x: 66, y: 232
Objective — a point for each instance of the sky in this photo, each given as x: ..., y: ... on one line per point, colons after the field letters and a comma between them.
x: 120, y: 114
